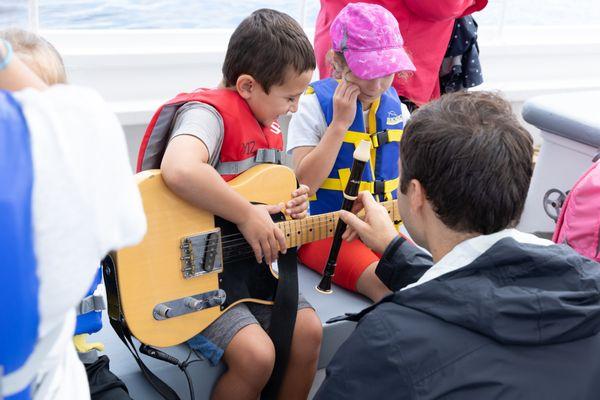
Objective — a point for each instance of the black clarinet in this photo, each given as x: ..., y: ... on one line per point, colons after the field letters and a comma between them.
x: 361, y: 156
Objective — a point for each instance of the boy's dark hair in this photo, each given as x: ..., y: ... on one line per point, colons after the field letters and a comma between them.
x: 265, y: 45
x: 473, y: 158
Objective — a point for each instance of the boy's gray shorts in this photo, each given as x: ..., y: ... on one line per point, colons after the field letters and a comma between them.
x: 212, y: 341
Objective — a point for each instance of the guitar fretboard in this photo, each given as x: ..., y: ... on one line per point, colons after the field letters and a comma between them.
x: 317, y: 227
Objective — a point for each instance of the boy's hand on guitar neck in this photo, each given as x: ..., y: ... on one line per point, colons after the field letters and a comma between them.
x: 297, y: 207
x: 259, y: 230
x: 265, y: 238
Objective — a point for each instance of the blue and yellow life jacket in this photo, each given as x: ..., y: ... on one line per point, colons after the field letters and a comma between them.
x: 19, y: 285
x: 385, y: 131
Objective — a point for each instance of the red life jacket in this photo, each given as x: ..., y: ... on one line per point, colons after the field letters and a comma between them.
x: 245, y: 143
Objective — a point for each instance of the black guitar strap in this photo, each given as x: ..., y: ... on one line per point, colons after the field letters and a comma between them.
x: 158, y: 384
x: 283, y: 319
x: 121, y: 329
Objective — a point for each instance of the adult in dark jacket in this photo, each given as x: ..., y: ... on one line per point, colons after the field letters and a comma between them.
x: 494, y: 313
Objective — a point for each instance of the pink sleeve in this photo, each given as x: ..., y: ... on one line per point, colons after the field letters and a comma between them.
x: 322, y: 43
x: 329, y: 9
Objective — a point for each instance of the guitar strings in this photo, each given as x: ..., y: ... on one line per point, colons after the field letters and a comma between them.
x: 319, y: 218
x: 319, y: 223
x: 314, y: 224
x: 241, y: 245
x: 240, y: 241
x: 248, y: 255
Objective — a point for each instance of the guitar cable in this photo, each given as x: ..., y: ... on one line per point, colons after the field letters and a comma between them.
x: 161, y: 355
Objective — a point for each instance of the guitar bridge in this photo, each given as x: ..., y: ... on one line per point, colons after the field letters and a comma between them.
x: 201, y: 254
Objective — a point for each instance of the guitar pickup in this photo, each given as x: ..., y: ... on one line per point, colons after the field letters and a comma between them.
x: 189, y: 304
x: 201, y: 254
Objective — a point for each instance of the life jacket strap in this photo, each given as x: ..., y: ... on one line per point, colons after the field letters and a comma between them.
x: 263, y: 156
x: 94, y: 302
x: 386, y: 136
x: 268, y: 156
x: 378, y: 187
x: 377, y: 139
x: 355, y: 137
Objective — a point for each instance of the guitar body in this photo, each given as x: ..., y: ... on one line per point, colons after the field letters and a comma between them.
x: 149, y: 275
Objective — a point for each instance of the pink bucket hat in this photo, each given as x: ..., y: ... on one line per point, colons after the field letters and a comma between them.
x: 369, y: 37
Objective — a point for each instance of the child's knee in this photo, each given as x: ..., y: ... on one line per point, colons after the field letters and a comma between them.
x: 260, y: 359
x: 309, y: 331
x: 253, y: 357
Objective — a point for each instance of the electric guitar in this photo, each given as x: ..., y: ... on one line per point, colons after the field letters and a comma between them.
x: 192, y: 266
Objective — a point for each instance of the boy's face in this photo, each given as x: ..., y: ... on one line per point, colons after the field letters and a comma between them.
x: 280, y: 100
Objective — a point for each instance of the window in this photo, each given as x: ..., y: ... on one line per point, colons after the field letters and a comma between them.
x: 539, y: 13
x: 14, y: 13
x: 162, y: 14
x: 208, y: 14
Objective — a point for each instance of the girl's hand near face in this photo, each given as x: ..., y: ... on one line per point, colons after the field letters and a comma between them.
x: 344, y: 104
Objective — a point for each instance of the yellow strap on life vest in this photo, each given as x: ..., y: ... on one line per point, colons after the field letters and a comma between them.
x: 354, y: 137
x: 372, y: 130
x: 340, y: 184
x: 394, y: 135
x: 309, y: 90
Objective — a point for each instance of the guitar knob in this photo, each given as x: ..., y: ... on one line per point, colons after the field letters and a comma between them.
x: 162, y: 311
x: 216, y: 301
x: 193, y: 303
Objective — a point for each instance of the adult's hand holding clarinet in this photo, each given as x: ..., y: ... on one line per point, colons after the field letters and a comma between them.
x: 361, y: 157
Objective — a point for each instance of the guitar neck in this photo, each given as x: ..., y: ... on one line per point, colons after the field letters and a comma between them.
x: 322, y: 226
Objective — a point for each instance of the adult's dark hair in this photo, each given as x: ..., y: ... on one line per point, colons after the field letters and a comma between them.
x: 473, y: 158
x: 266, y: 45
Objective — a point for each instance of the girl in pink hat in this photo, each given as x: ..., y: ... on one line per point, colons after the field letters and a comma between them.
x: 334, y: 115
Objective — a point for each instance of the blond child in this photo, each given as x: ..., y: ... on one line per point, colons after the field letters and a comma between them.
x: 42, y: 58
x: 38, y: 54
x: 57, y: 125
x: 334, y: 115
